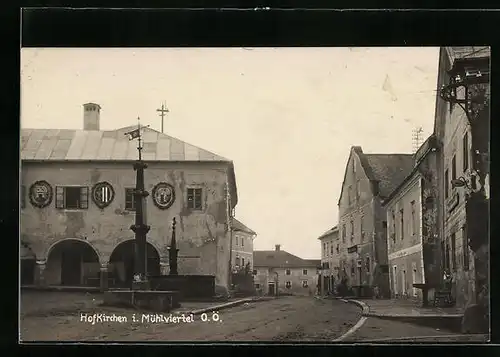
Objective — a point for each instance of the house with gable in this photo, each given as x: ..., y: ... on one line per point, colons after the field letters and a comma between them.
x: 77, y: 205
x: 362, y: 253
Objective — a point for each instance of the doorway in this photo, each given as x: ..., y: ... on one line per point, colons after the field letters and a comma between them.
x: 403, y: 284
x: 271, y: 289
x: 414, y: 278
x: 71, y: 268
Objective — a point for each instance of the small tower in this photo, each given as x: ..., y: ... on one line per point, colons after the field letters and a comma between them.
x: 91, y: 116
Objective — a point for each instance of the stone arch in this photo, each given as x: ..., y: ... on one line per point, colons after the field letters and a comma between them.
x: 72, y: 262
x: 47, y: 251
x: 121, y: 261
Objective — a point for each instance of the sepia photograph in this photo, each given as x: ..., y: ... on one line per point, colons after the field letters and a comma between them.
x: 255, y: 194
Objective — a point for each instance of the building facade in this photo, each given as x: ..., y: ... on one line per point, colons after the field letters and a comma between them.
x: 330, y: 248
x: 77, y: 205
x: 368, y: 180
x: 279, y: 272
x: 413, y: 213
x: 242, y: 246
x: 462, y: 126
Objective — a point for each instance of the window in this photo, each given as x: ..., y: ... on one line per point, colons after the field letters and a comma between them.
x: 357, y: 190
x: 454, y: 167
x: 304, y: 284
x: 23, y: 196
x: 466, y: 151
x: 129, y: 199
x: 288, y: 284
x: 237, y: 261
x: 257, y: 286
x: 446, y: 183
x: 465, y: 247
x: 361, y: 228
x: 338, y: 249
x: 304, y: 272
x: 254, y: 272
x: 242, y: 241
x: 413, y: 218
x: 343, y: 233
x: 287, y: 272
x: 242, y: 262
x: 325, y: 251
x: 368, y: 264
x: 72, y: 197
x: 402, y: 224
x: 352, y: 231
x: 453, y: 252
x: 353, y: 264
x: 349, y: 195
x: 236, y: 241
x: 331, y: 248
x: 194, y: 198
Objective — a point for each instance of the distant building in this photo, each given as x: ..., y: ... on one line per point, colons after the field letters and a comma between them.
x: 278, y: 270
x: 330, y: 248
x: 242, y: 248
x: 413, y: 213
x: 368, y: 180
x: 78, y: 205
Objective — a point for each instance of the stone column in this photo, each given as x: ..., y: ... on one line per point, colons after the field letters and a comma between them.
x: 104, y: 276
x: 40, y: 273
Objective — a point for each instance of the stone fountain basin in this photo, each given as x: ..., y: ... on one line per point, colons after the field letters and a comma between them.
x: 150, y: 300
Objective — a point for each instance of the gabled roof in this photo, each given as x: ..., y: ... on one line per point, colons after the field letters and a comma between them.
x: 389, y: 170
x: 238, y: 226
x: 88, y: 145
x: 428, y: 146
x: 329, y: 232
x: 281, y: 259
x: 385, y: 170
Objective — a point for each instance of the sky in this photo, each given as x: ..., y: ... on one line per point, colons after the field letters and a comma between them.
x: 287, y: 117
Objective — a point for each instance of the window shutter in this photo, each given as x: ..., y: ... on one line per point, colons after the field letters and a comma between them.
x: 59, y: 197
x: 84, y: 197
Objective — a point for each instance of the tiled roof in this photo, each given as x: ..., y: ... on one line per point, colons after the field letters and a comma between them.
x: 329, y: 232
x: 460, y: 52
x: 281, y: 259
x: 389, y: 170
x: 238, y: 226
x: 74, y: 145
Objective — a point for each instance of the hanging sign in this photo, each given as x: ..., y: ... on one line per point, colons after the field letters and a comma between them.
x: 163, y: 195
x: 103, y: 194
x: 41, y: 194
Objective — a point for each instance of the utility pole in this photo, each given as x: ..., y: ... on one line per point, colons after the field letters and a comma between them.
x: 163, y: 111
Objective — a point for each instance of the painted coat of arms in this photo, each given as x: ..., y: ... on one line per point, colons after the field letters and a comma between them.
x: 163, y: 195
x: 103, y: 194
x: 41, y: 194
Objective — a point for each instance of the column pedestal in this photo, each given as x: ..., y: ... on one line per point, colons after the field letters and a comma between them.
x: 104, y: 277
x: 40, y: 273
x: 164, y: 268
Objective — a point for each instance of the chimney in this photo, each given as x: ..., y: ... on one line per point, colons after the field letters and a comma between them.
x: 91, y: 116
x: 277, y: 247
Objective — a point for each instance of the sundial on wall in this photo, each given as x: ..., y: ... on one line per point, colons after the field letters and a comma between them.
x: 163, y: 195
x: 41, y: 194
x: 103, y: 194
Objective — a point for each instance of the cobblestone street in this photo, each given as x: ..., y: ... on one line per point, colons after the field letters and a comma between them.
x: 57, y: 317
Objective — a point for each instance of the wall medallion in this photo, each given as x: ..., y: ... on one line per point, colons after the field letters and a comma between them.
x: 41, y: 194
x: 103, y: 194
x: 163, y: 195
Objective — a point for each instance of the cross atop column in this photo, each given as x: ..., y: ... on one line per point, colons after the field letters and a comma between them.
x: 163, y: 111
